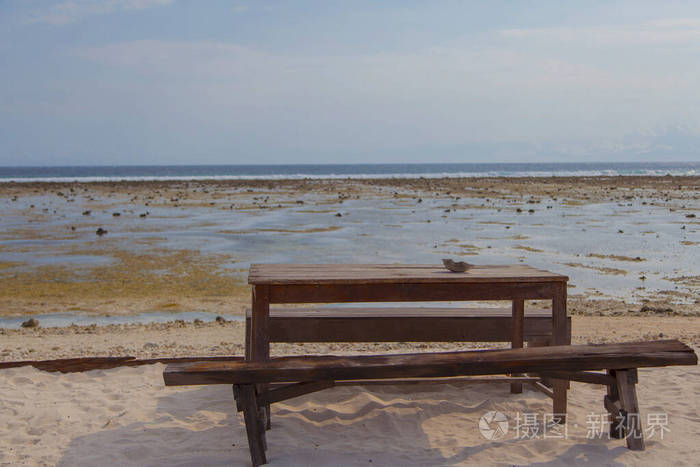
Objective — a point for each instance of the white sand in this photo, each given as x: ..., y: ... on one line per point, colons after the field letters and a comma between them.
x: 126, y: 416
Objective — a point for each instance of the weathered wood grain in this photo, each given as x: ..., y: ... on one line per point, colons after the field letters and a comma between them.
x: 404, y: 324
x: 532, y: 360
x: 626, y: 382
x: 75, y: 365
x: 517, y: 335
x: 311, y: 274
x: 409, y: 292
x: 255, y: 428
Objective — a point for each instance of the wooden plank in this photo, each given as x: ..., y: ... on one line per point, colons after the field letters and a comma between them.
x: 517, y: 332
x: 258, y: 346
x: 70, y: 365
x: 617, y: 425
x: 253, y: 425
x: 74, y: 365
x: 409, y: 292
x: 560, y: 336
x: 259, y: 326
x: 314, y: 274
x: 480, y: 362
x: 403, y: 311
x: 429, y: 381
x: 543, y: 389
x: 394, y: 326
x: 626, y: 380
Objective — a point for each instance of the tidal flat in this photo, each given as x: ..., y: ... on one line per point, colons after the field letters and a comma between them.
x: 628, y: 244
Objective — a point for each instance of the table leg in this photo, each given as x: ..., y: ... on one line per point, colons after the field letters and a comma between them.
x: 560, y: 336
x: 259, y: 334
x: 517, y: 336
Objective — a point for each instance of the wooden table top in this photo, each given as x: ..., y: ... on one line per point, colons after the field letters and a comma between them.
x: 315, y: 274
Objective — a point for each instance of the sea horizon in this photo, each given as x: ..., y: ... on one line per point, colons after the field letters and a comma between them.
x: 110, y: 173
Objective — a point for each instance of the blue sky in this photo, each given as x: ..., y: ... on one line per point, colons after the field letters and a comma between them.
x: 253, y: 82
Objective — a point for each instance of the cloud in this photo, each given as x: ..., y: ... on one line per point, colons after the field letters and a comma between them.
x: 451, y: 96
x: 75, y: 10
x: 666, y: 32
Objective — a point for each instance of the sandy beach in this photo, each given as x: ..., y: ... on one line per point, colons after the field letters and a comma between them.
x: 126, y: 416
x: 181, y: 249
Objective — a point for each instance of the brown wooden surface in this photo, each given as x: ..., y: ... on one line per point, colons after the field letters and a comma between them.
x: 517, y: 335
x: 290, y: 391
x: 403, y: 324
x: 74, y: 365
x: 626, y: 382
x: 431, y: 381
x: 337, y: 283
x: 259, y: 329
x: 560, y: 336
x: 399, y: 311
x: 313, y: 274
x: 613, y: 405
x: 410, y: 292
x: 531, y: 359
x: 543, y: 389
x: 255, y: 428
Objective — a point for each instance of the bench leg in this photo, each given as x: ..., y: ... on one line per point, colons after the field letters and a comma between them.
x: 614, y: 407
x: 254, y: 426
x: 248, y: 332
x: 559, y: 388
x: 517, y: 319
x: 560, y: 336
x: 626, y: 381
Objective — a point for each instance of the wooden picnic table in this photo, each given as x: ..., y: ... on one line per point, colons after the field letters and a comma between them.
x: 341, y: 283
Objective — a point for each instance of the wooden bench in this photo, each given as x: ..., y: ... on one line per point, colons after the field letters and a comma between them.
x: 295, y: 376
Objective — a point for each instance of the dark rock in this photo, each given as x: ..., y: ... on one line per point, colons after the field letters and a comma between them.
x: 655, y: 309
x: 31, y: 323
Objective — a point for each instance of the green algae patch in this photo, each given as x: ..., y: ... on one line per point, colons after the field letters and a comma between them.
x: 604, y: 270
x: 528, y: 248
x: 164, y: 274
x: 616, y: 257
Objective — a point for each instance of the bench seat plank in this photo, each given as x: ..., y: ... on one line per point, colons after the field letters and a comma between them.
x: 430, y: 365
x: 403, y: 324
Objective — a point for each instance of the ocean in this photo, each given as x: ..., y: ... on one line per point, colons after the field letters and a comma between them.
x: 330, y: 171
